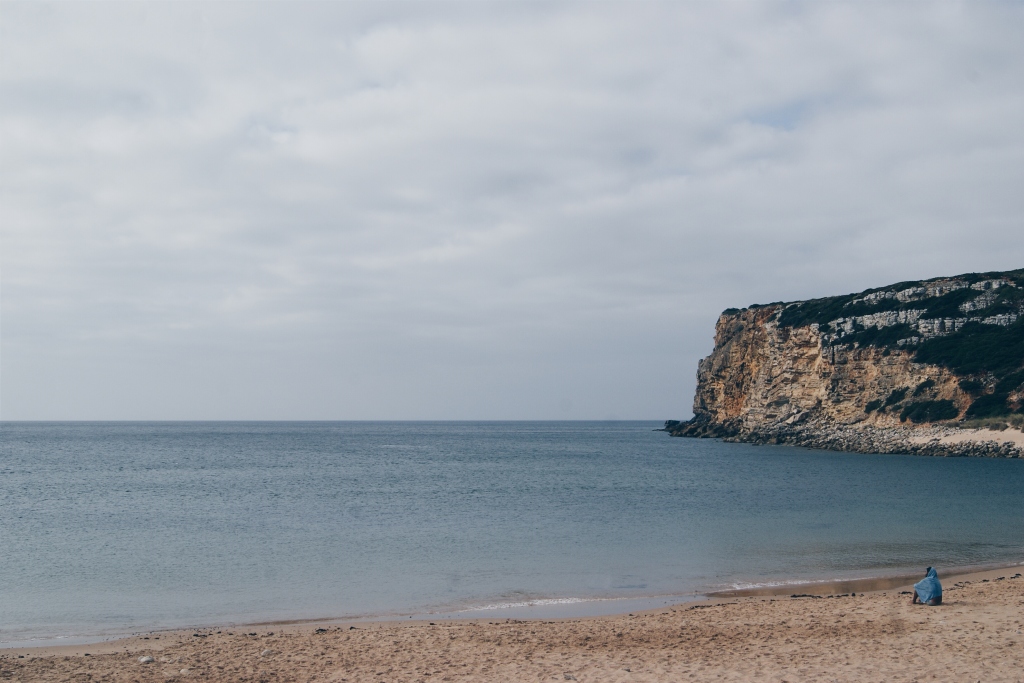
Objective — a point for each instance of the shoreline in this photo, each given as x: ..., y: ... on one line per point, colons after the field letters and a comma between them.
x: 976, y: 634
x: 931, y: 440
x: 868, y: 585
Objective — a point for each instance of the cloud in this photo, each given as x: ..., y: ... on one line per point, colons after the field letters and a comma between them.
x: 475, y: 210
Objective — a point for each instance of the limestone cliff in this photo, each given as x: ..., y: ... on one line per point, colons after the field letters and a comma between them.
x: 873, y: 366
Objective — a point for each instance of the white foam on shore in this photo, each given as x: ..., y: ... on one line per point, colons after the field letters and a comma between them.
x: 740, y: 586
x: 808, y: 581
x: 540, y: 602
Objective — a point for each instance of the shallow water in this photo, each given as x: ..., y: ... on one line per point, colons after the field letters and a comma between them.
x: 116, y: 527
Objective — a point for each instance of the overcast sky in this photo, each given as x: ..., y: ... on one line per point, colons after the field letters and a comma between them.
x: 472, y: 210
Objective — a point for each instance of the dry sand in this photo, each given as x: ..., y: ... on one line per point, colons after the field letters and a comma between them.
x: 976, y: 635
x: 976, y: 435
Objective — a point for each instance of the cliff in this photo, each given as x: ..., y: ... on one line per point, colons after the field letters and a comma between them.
x: 893, y: 369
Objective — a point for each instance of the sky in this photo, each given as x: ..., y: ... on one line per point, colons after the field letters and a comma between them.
x: 472, y: 210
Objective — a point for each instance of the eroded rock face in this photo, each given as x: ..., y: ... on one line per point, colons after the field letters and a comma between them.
x: 868, y: 372
x: 761, y: 374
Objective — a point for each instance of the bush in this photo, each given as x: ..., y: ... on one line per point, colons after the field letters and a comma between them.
x: 1010, y: 382
x: 873, y: 406
x: 929, y: 411
x: 992, y: 405
x: 878, y: 336
x: 1008, y: 300
x: 948, y: 305
x: 816, y: 311
x: 977, y: 349
x: 924, y: 386
x: 972, y: 386
x: 896, y: 396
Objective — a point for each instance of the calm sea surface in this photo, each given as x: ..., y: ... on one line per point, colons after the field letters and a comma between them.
x: 108, y: 528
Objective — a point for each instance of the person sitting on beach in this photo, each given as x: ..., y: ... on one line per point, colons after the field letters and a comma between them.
x: 928, y: 591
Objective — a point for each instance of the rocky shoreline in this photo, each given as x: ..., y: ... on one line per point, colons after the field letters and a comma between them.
x: 904, y: 368
x: 937, y: 440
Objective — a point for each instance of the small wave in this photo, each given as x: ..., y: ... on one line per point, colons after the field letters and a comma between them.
x: 540, y: 602
x: 742, y: 586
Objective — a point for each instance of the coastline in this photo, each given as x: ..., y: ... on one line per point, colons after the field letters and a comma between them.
x: 797, y: 515
x: 540, y: 610
x: 907, y: 368
x: 796, y: 631
x: 933, y: 440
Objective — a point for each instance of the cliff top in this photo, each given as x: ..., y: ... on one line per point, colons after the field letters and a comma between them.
x: 970, y: 324
x: 977, y: 294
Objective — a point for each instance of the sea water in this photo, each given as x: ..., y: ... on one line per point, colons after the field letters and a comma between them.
x: 109, y: 528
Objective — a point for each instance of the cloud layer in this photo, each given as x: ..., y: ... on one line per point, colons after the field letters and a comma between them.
x: 472, y: 210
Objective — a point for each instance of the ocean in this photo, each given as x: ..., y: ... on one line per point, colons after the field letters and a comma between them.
x: 113, y: 528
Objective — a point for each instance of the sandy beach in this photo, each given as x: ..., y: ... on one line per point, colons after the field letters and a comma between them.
x: 975, y: 635
x: 1012, y: 436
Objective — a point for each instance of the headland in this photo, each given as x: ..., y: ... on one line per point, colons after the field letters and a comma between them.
x: 933, y: 367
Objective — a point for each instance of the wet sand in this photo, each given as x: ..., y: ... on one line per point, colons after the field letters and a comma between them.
x: 823, y: 636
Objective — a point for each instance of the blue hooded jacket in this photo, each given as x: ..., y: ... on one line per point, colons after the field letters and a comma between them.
x: 929, y: 587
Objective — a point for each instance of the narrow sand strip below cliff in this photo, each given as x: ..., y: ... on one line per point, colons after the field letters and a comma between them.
x: 975, y: 436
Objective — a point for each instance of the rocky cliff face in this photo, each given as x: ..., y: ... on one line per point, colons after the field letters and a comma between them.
x: 873, y: 365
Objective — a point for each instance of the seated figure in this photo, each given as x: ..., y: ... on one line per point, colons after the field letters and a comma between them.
x: 928, y: 591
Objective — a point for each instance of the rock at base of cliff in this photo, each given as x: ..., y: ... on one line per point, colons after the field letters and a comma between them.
x: 937, y: 441
x: 701, y: 427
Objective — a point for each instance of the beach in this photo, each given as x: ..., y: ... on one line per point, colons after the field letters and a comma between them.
x: 976, y: 634
x: 975, y: 436
x: 210, y: 526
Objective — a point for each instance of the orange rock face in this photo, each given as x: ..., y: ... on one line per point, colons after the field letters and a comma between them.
x: 761, y: 374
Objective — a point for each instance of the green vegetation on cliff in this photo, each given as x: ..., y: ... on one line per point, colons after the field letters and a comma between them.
x: 977, y: 349
x: 947, y: 305
x: 879, y: 336
x: 929, y: 411
x: 990, y: 357
x: 972, y: 324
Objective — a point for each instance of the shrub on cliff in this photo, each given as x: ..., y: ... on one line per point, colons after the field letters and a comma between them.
x: 825, y: 310
x: 948, y: 305
x: 896, y: 396
x: 929, y: 411
x: 976, y: 349
x: 991, y: 405
x: 878, y: 336
x: 923, y: 387
x: 979, y: 349
x: 1008, y: 301
x: 972, y: 387
x: 996, y: 404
